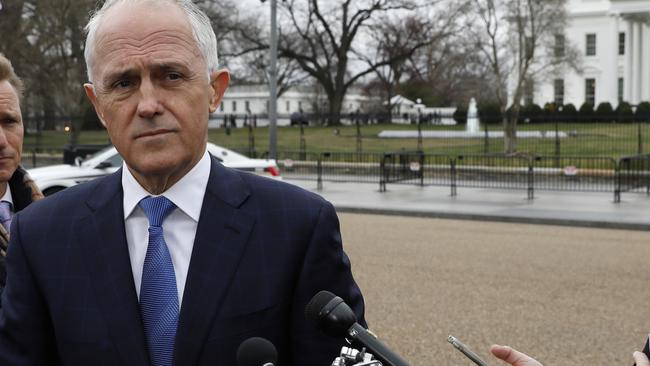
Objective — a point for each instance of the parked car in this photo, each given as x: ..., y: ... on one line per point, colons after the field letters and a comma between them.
x: 298, y: 118
x: 51, y: 179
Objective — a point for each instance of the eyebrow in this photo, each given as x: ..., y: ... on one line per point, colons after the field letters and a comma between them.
x: 164, y: 66
x: 131, y: 72
x: 9, y: 114
x: 118, y: 75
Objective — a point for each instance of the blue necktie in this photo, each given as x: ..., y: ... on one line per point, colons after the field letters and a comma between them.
x: 158, y: 294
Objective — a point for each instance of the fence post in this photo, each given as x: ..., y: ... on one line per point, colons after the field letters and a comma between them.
x: 557, y: 140
x: 421, y: 154
x: 486, y: 139
x: 647, y: 175
x: 640, y: 140
x: 251, y: 141
x: 358, y: 136
x: 319, y: 172
x: 452, y: 173
x: 531, y: 179
x: 617, y: 181
x: 303, y: 143
x: 383, y: 173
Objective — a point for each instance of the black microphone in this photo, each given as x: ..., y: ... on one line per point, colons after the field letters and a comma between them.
x: 335, y: 318
x: 256, y: 351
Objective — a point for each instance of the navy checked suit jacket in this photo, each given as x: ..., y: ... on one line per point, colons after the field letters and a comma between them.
x: 263, y: 248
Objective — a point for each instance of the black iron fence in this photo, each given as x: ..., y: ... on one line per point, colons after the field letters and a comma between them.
x: 518, y: 172
x: 529, y: 173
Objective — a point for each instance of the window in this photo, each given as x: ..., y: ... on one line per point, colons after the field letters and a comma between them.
x: 591, y: 45
x: 590, y: 91
x: 268, y: 106
x: 288, y: 106
x: 621, y: 43
x: 558, y: 92
x: 234, y: 106
x: 247, y: 106
x: 222, y: 107
x: 559, y: 45
x: 300, y: 105
x: 620, y: 89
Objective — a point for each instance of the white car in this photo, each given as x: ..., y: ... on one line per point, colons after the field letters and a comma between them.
x: 51, y: 179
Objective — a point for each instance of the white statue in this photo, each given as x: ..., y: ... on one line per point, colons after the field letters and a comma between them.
x: 472, y: 118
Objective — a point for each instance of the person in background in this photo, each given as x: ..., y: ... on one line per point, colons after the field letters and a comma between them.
x: 173, y: 259
x: 16, y: 187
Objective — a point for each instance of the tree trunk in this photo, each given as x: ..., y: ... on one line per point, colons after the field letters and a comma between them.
x: 335, y: 105
x: 389, y: 105
x: 510, y: 130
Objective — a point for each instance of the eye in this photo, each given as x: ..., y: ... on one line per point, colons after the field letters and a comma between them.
x: 174, y: 76
x: 122, y: 84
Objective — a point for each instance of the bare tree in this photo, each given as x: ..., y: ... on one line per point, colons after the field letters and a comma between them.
x: 405, y: 40
x: 518, y: 40
x: 47, y: 46
x: 325, y: 39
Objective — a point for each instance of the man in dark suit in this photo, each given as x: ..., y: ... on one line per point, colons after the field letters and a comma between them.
x: 174, y: 259
x: 17, y: 189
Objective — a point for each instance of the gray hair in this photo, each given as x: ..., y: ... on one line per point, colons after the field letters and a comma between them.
x: 199, y: 22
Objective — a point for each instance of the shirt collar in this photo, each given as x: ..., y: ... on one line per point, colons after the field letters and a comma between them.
x: 187, y: 194
x: 7, y: 196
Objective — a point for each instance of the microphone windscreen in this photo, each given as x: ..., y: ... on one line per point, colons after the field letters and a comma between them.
x: 316, y: 304
x: 256, y: 351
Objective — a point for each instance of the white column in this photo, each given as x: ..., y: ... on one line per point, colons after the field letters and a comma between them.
x: 639, y: 59
x: 612, y: 95
x: 636, y: 62
x: 627, y: 81
x: 645, y: 62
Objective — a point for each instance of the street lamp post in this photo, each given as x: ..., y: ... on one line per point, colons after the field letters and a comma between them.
x: 419, y: 101
x: 273, y: 82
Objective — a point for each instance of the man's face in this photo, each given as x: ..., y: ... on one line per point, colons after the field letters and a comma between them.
x: 11, y: 131
x: 151, y: 89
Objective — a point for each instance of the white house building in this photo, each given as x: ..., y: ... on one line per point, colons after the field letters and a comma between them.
x: 613, y: 37
x: 242, y: 100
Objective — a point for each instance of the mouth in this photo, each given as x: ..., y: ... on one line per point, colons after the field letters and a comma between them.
x: 150, y: 133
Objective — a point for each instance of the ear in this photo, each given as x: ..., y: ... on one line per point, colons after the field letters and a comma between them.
x: 90, y: 93
x: 219, y: 81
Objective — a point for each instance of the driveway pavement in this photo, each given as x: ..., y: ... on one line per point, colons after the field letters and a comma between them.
x: 548, y: 207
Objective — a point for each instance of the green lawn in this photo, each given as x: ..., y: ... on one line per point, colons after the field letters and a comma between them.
x: 586, y: 139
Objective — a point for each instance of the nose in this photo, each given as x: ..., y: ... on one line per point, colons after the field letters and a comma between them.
x: 149, y: 105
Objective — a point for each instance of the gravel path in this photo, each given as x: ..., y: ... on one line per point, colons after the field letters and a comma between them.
x: 568, y: 296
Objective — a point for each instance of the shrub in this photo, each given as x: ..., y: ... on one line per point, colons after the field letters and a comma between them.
x: 460, y: 115
x: 586, y: 112
x: 533, y: 113
x: 624, y: 112
x: 569, y: 113
x: 642, y: 113
x: 604, y: 113
x: 490, y: 113
x: 550, y: 108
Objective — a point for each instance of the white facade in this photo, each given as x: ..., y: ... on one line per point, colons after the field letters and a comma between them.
x: 253, y: 99
x: 619, y: 66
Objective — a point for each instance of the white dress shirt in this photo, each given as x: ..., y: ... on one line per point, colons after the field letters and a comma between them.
x: 7, y: 197
x: 179, y: 228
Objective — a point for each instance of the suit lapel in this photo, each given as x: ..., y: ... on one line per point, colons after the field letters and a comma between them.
x: 220, y: 242
x: 103, y: 239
